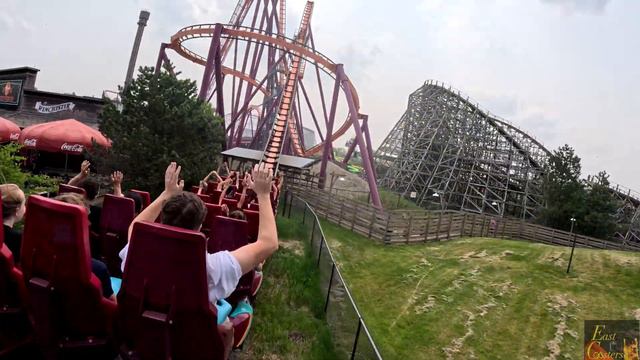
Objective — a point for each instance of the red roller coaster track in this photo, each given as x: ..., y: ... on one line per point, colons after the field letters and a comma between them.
x: 252, y: 67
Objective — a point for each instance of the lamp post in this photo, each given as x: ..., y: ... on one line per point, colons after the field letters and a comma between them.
x: 573, y: 245
x: 439, y: 198
x: 333, y: 180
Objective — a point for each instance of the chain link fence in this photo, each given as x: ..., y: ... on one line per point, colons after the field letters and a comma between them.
x: 351, y: 336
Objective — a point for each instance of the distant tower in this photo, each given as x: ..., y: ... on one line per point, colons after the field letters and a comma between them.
x: 142, y: 22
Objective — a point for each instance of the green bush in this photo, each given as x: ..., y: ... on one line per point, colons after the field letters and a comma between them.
x: 12, y: 173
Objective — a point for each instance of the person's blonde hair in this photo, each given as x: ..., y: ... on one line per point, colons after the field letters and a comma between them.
x: 72, y: 198
x: 12, y: 199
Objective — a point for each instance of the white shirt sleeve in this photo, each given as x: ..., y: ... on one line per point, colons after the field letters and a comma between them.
x: 123, y: 256
x: 223, y: 274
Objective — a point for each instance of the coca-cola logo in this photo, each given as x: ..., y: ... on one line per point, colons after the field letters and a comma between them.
x: 14, y: 136
x: 72, y: 147
x: 30, y: 142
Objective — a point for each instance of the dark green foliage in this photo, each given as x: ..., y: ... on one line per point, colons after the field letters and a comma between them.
x: 564, y: 192
x: 592, y: 204
x: 161, y: 121
x: 599, y: 220
x: 11, y: 173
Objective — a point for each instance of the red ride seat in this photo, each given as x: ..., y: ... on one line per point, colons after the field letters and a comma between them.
x: 15, y: 329
x: 230, y: 234
x: 213, y: 210
x: 253, y: 222
x: 254, y: 207
x: 215, y: 195
x: 164, y: 310
x: 146, y: 197
x: 232, y: 204
x: 115, y: 218
x: 64, y: 188
x: 206, y: 198
x: 69, y: 313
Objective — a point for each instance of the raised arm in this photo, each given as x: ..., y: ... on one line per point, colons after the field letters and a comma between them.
x: 116, y: 180
x: 213, y: 173
x: 249, y: 256
x: 246, y: 182
x: 172, y: 186
x: 224, y: 191
x: 82, y: 175
x: 223, y: 184
x: 203, y: 183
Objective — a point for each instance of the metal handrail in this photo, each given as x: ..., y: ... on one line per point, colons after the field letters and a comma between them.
x: 339, y: 274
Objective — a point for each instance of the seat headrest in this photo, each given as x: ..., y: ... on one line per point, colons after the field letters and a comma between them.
x: 56, y: 239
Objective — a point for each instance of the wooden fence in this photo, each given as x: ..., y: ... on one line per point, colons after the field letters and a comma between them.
x: 418, y: 226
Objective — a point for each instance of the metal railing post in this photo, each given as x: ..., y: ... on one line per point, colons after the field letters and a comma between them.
x: 304, y: 215
x: 320, y: 251
x: 355, y: 341
x: 326, y: 302
x: 312, y: 232
x: 284, y: 206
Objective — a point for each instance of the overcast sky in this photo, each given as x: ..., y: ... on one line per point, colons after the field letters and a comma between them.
x: 566, y: 71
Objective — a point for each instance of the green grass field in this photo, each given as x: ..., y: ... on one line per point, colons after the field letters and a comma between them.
x: 484, y: 298
x: 289, y: 319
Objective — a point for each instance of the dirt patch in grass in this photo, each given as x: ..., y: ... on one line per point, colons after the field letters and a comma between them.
x: 559, y: 305
x: 485, y: 255
x: 556, y: 258
x: 623, y: 259
x: 295, y: 246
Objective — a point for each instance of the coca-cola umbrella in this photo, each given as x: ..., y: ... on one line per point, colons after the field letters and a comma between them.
x: 8, y: 131
x: 70, y: 137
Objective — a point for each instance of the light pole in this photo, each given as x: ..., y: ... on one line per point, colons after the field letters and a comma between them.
x: 573, y: 246
x: 437, y: 196
x: 333, y: 180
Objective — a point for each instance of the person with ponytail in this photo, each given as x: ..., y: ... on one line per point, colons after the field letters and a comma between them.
x: 13, y: 209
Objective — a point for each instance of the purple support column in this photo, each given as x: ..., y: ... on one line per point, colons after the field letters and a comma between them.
x: 326, y: 152
x: 313, y: 114
x: 218, y: 73
x: 350, y: 151
x: 209, y: 68
x: 367, y: 137
x: 364, y: 153
x: 161, y: 56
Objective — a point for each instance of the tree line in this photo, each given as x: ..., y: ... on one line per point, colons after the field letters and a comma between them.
x: 592, y: 204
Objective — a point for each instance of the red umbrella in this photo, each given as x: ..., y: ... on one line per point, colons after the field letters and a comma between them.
x: 67, y: 136
x: 8, y: 130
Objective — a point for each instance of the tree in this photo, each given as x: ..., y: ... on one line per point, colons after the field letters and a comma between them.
x: 12, y: 173
x: 564, y: 193
x: 162, y: 120
x: 591, y: 203
x: 599, y: 220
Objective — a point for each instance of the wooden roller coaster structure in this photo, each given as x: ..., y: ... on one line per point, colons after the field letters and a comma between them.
x: 254, y: 76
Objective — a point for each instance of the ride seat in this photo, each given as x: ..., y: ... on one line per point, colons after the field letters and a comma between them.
x: 164, y: 309
x: 69, y: 313
x: 115, y: 218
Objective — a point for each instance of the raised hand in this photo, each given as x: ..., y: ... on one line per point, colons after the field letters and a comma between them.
x: 224, y: 209
x: 85, y: 168
x: 247, y: 182
x: 116, y: 178
x: 262, y: 177
x: 172, y: 183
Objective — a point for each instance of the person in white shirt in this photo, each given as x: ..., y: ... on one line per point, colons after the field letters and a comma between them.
x: 224, y: 268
